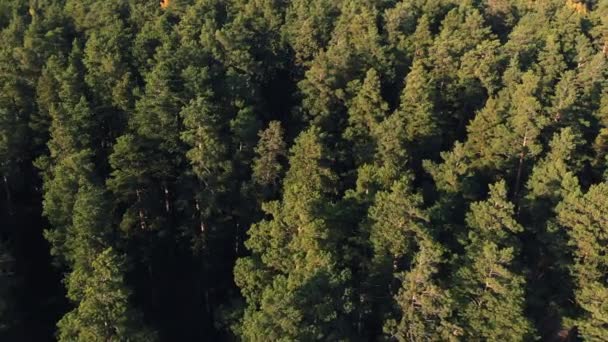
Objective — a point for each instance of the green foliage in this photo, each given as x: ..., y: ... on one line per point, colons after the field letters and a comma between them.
x: 398, y: 219
x: 103, y: 313
x: 490, y: 291
x: 354, y: 47
x: 426, y: 308
x: 308, y: 26
x: 417, y: 109
x: 584, y: 217
x: 366, y: 110
x: 303, y: 170
x: 294, y: 284
x: 267, y: 167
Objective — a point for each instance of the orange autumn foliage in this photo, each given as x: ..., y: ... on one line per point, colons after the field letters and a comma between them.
x: 577, y: 6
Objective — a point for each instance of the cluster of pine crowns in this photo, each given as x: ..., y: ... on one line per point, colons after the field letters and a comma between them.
x: 304, y: 170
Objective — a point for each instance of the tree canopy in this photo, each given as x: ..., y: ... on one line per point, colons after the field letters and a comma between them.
x: 261, y: 170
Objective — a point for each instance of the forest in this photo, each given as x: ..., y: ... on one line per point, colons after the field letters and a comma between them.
x: 303, y: 170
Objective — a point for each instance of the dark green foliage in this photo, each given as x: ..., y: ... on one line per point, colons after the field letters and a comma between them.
x: 584, y: 217
x: 103, y: 313
x: 267, y: 167
x: 354, y: 170
x: 294, y: 283
x: 490, y: 290
x: 366, y: 111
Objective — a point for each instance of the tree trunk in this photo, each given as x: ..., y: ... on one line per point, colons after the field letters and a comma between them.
x: 7, y: 190
x: 142, y: 216
x: 167, y: 199
x: 520, y: 168
x: 201, y: 222
x: 237, y: 239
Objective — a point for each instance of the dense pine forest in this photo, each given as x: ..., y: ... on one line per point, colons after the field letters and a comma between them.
x: 303, y: 170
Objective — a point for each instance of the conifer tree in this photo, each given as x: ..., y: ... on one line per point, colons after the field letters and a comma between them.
x: 17, y: 106
x: 426, y: 308
x: 208, y: 157
x: 584, y: 218
x: 462, y: 29
x: 526, y: 120
x: 491, y: 291
x: 399, y: 222
x: 271, y: 148
x: 103, y: 313
x: 404, y: 248
x: 553, y: 176
x: 489, y: 139
x: 308, y: 26
x: 355, y: 46
x: 294, y: 284
x: 95, y: 283
x: 551, y: 180
x: 417, y: 111
x: 70, y: 155
x: 551, y: 64
x: 365, y: 112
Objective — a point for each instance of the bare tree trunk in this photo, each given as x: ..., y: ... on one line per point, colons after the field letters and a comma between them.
x: 207, y: 304
x: 360, y: 315
x: 167, y: 201
x: 236, y: 239
x: 201, y: 222
x: 7, y: 190
x: 142, y: 216
x: 520, y: 168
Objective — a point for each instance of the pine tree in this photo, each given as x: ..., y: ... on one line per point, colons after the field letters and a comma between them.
x: 104, y: 313
x: 408, y: 34
x: 484, y: 63
x: 491, y: 292
x: 404, y: 248
x: 426, y: 308
x: 17, y: 106
x: 551, y: 64
x: 249, y: 43
x: 271, y: 148
x: 209, y: 159
x: 146, y: 189
x: 526, y: 120
x: 308, y: 26
x: 70, y: 156
x: 554, y: 175
x: 462, y: 29
x: 365, y: 112
x: 294, y: 284
x: 584, y: 218
x: 489, y: 140
x: 398, y: 221
x: 417, y: 113
x: 355, y: 46
x: 453, y: 175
